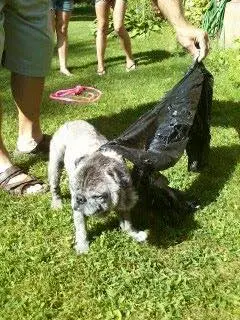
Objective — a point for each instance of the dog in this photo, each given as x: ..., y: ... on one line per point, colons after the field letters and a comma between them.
x: 99, y: 180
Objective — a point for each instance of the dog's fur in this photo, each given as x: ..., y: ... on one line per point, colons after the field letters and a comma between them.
x: 99, y: 180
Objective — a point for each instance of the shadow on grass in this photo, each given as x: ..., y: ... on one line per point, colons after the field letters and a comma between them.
x: 112, y: 126
x: 148, y: 57
x: 141, y: 58
x: 222, y: 163
x: 205, y: 190
x: 226, y: 114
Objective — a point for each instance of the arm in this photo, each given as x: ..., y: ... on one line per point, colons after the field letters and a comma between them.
x: 187, y: 35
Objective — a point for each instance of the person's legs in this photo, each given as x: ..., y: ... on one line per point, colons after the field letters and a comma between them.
x: 102, y: 13
x: 61, y: 25
x: 5, y: 162
x: 27, y: 56
x: 27, y: 93
x: 17, y: 178
x: 119, y: 10
x: 4, y: 156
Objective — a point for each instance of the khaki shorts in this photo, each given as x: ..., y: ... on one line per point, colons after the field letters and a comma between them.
x: 26, y: 36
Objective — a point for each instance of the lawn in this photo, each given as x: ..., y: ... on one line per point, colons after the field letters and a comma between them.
x: 191, y: 271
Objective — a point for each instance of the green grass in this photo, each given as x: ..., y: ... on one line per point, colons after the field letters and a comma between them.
x: 192, y: 271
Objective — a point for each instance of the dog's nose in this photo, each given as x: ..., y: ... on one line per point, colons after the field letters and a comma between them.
x: 81, y: 199
x: 99, y: 210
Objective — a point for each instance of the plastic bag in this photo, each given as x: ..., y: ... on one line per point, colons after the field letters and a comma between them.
x: 181, y: 120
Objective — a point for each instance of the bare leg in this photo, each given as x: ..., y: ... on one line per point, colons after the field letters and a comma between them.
x: 119, y: 10
x: 5, y: 162
x: 27, y: 93
x: 61, y: 25
x: 102, y: 12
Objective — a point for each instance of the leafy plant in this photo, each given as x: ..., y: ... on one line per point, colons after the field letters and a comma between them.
x: 227, y: 62
x: 140, y: 20
x: 140, y: 23
x: 194, y: 10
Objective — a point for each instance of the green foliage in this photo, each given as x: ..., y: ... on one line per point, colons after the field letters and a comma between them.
x: 140, y: 20
x: 194, y: 10
x: 227, y: 60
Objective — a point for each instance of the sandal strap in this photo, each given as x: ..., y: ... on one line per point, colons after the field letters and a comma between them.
x: 8, y: 174
x: 16, y: 187
x: 20, y: 185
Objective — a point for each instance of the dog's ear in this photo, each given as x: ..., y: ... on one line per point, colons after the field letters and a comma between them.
x: 77, y: 161
x: 127, y: 195
x: 120, y: 177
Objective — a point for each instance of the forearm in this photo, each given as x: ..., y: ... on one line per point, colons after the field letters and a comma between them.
x: 173, y: 12
x: 193, y: 39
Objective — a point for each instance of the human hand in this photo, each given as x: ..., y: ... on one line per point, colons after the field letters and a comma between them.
x: 194, y: 40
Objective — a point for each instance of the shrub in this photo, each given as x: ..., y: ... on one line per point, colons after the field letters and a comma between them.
x: 140, y: 19
x: 195, y: 9
x: 227, y: 62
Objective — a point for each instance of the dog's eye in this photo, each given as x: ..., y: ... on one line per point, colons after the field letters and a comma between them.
x: 102, y: 196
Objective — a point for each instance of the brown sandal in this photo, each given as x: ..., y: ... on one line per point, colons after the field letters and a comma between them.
x: 41, y: 148
x: 18, y: 188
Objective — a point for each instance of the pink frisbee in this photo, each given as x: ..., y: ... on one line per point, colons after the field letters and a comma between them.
x: 78, y: 94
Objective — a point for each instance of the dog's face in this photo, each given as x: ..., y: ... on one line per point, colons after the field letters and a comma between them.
x: 101, y: 184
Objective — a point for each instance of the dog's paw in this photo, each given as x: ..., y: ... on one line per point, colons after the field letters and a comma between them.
x: 140, y: 236
x: 56, y: 204
x: 81, y: 249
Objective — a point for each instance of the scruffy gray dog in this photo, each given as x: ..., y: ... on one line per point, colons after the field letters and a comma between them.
x: 99, y: 180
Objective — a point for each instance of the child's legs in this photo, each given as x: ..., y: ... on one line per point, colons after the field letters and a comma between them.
x: 102, y: 12
x: 119, y: 10
x: 62, y: 21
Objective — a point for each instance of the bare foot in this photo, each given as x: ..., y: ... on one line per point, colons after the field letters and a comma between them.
x: 101, y: 72
x: 130, y: 65
x: 66, y: 72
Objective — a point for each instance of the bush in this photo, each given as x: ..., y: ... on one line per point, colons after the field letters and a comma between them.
x: 140, y: 19
x: 227, y: 62
x: 194, y: 10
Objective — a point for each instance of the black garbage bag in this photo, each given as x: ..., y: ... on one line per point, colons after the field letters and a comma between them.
x: 181, y: 120
x: 157, y: 140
